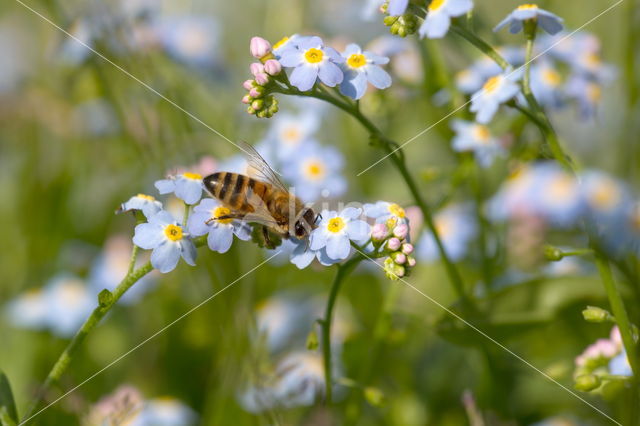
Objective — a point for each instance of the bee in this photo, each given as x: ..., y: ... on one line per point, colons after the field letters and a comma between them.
x: 261, y: 198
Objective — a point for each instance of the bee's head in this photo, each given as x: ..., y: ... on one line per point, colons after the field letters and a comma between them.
x: 305, y: 224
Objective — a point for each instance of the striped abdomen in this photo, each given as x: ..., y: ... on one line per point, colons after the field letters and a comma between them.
x: 235, y: 190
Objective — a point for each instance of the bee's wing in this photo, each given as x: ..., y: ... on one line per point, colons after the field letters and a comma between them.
x: 260, y: 214
x: 259, y: 169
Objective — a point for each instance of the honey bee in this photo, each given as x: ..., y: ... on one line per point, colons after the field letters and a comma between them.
x: 261, y: 198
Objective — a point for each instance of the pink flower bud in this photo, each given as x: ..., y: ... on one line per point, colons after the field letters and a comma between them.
x: 262, y: 79
x: 255, y: 93
x: 259, y: 47
x: 407, y: 248
x: 379, y: 232
x: 399, y: 271
x: 248, y: 84
x: 272, y: 67
x: 411, y: 261
x: 401, y: 231
x: 399, y: 258
x: 393, y: 244
x: 246, y: 99
x: 256, y: 68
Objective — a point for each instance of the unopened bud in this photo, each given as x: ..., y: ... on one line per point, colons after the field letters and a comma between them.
x: 246, y: 99
x: 393, y: 244
x: 256, y: 92
x: 552, y: 253
x: 596, y: 314
x: 587, y: 382
x: 256, y: 68
x: 259, y: 47
x: 399, y: 258
x: 374, y: 396
x: 248, y: 84
x: 273, y: 67
x: 411, y: 261
x: 262, y: 78
x: 105, y: 297
x: 407, y: 248
x: 257, y: 104
x: 312, y: 340
x: 401, y: 231
x: 379, y: 232
x: 250, y: 110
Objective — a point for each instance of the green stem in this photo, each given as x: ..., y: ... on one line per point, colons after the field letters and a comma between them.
x: 5, y: 418
x: 94, y: 319
x: 619, y: 311
x: 481, y: 44
x: 343, y: 271
x: 187, y: 210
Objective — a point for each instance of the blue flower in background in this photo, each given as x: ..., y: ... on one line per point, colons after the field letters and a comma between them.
x: 587, y: 92
x: 190, y: 39
x: 187, y: 186
x: 361, y: 68
x: 221, y: 231
x: 546, y: 20
x: 439, y: 14
x: 546, y: 84
x: 619, y: 365
x: 495, y: 91
x: 337, y: 230
x: 315, y: 171
x: 478, y: 139
x: 397, y: 7
x: 607, y: 198
x: 165, y: 411
x: 471, y: 80
x: 145, y: 203
x: 288, y: 132
x: 311, y: 60
x: 167, y: 239
x: 456, y: 227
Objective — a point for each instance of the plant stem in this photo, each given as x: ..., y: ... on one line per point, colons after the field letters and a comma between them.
x: 343, y: 271
x: 620, y: 313
x: 480, y: 44
x: 187, y: 210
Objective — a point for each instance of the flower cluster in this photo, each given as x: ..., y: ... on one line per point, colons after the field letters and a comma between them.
x: 308, y: 61
x: 605, y: 357
x: 436, y: 22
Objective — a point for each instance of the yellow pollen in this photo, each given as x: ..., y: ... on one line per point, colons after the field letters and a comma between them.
x: 551, y: 77
x: 527, y: 6
x: 146, y: 197
x: 314, y: 170
x: 173, y: 232
x: 436, y: 4
x: 220, y: 212
x: 194, y: 176
x: 561, y: 188
x: 481, y: 133
x: 357, y: 60
x: 280, y: 43
x: 313, y: 55
x: 335, y: 224
x: 605, y: 196
x: 397, y: 211
x: 492, y: 84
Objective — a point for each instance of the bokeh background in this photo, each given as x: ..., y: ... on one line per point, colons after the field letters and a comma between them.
x: 78, y: 137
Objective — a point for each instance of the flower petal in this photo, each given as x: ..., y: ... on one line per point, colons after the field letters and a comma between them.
x: 354, y: 85
x: 338, y: 247
x: 304, y: 77
x: 165, y: 257
x: 197, y: 223
x: 330, y: 74
x: 358, y: 230
x: 188, y: 190
x: 165, y: 186
x: 189, y: 252
x: 378, y: 77
x: 318, y: 238
x: 148, y: 236
x: 220, y: 239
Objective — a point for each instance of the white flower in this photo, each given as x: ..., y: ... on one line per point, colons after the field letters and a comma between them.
x: 146, y: 203
x: 337, y: 230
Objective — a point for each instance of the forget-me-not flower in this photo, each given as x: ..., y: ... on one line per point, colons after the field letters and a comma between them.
x: 289, y: 132
x: 456, y: 228
x: 495, y: 91
x: 397, y: 7
x: 478, y: 139
x: 361, y: 68
x: 190, y: 39
x: 146, y: 203
x: 203, y: 221
x: 337, y: 230
x: 619, y: 365
x: 310, y: 61
x: 167, y: 239
x: 439, y: 14
x: 187, y: 186
x: 548, y: 21
x: 383, y: 211
x: 546, y: 84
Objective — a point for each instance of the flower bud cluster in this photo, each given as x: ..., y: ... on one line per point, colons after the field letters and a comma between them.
x: 391, y: 238
x: 259, y: 102
x: 402, y: 25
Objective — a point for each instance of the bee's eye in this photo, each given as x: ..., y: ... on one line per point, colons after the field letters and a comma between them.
x: 299, y: 229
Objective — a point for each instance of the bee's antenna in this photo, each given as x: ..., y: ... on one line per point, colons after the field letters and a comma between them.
x: 318, y: 218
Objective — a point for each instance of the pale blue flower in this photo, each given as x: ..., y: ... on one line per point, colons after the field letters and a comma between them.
x: 289, y: 131
x: 165, y: 411
x: 457, y: 227
x: 220, y: 232
x: 607, y: 198
x: 288, y: 43
x: 397, y: 7
x: 495, y: 91
x: 361, y: 68
x: 472, y: 79
x: 187, y: 186
x: 383, y: 211
x: 315, y: 171
x: 336, y: 231
x: 619, y: 365
x: 439, y: 14
x: 28, y: 310
x: 192, y: 40
x: 546, y: 20
x: 587, y: 92
x: 145, y: 203
x: 282, y: 318
x: 546, y: 84
x: 478, y: 139
x: 310, y: 61
x: 301, y: 378
x: 167, y: 239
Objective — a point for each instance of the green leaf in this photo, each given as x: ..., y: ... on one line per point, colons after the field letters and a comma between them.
x: 6, y: 397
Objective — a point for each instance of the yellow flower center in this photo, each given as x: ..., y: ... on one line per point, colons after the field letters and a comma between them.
x: 313, y: 55
x: 436, y: 4
x: 146, y: 197
x: 528, y: 6
x: 194, y: 176
x: 605, y: 196
x: 397, y: 211
x: 551, y: 77
x: 220, y: 212
x: 314, y: 170
x: 173, y: 232
x: 594, y: 92
x: 291, y: 134
x: 593, y: 60
x: 335, y: 224
x: 357, y: 60
x: 443, y: 226
x: 481, y: 133
x: 492, y: 84
x: 561, y: 188
x: 280, y: 43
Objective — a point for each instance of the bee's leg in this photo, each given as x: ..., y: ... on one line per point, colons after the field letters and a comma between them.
x: 226, y: 216
x: 267, y: 240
